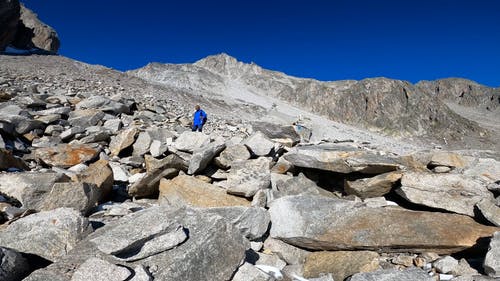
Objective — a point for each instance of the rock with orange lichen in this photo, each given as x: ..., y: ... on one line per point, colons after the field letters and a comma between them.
x: 66, y: 155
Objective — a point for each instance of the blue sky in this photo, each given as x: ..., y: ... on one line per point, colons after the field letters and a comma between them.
x: 327, y: 40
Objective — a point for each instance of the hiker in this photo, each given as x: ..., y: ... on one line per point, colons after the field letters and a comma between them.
x: 199, y: 119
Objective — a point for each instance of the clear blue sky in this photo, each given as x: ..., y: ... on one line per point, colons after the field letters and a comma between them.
x: 328, y: 40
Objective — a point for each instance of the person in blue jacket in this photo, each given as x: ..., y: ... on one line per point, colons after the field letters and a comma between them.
x: 199, y: 119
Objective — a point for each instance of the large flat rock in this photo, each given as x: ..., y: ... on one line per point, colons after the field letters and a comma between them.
x: 346, y: 225
x: 213, y: 250
x: 50, y: 234
x: 452, y: 192
x: 186, y: 190
x: 340, y: 159
x: 190, y: 141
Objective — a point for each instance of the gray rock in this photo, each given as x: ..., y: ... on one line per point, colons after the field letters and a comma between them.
x: 253, y: 222
x: 95, y: 137
x: 142, y: 144
x: 62, y: 110
x: 161, y: 134
x: 85, y: 117
x: 376, y: 186
x: 490, y: 210
x: 119, y: 172
x: 100, y: 270
x: 148, y: 185
x: 46, y: 142
x: 133, y: 161
x: 270, y: 260
x: 13, y: 266
x: 414, y: 274
x: 53, y: 129
x: 340, y: 159
x: 157, y: 148
x: 213, y: 251
x: 190, y: 141
x: 49, y: 119
x: 492, y: 260
x: 104, y: 104
x: 445, y: 264
x: 129, y: 242
x: 347, y: 225
x: 141, y: 274
x: 50, y: 234
x: 203, y: 156
x: 23, y: 125
x: 123, y: 140
x: 278, y: 133
x: 43, y: 275
x: 247, y: 177
x: 29, y: 188
x: 452, y: 192
x: 248, y: 272
x: 81, y: 197
x: 113, y: 125
x: 485, y: 169
x: 290, y: 254
x: 464, y: 269
x: 71, y: 132
x: 284, y: 185
x: 230, y: 154
x: 259, y: 144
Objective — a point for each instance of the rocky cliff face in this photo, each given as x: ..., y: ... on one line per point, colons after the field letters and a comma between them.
x: 9, y: 17
x: 463, y: 92
x: 392, y: 107
x: 21, y: 28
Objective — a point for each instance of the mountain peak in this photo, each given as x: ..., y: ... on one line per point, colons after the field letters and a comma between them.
x: 226, y: 65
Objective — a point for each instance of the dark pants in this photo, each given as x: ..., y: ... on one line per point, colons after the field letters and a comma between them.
x: 197, y: 127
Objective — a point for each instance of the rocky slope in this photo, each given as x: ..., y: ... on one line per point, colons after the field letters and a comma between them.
x: 21, y: 28
x: 390, y: 107
x: 101, y: 179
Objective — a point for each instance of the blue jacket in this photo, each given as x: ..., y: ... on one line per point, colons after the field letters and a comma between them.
x: 199, y: 117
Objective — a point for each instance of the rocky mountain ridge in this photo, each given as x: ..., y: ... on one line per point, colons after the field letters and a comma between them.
x: 390, y: 107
